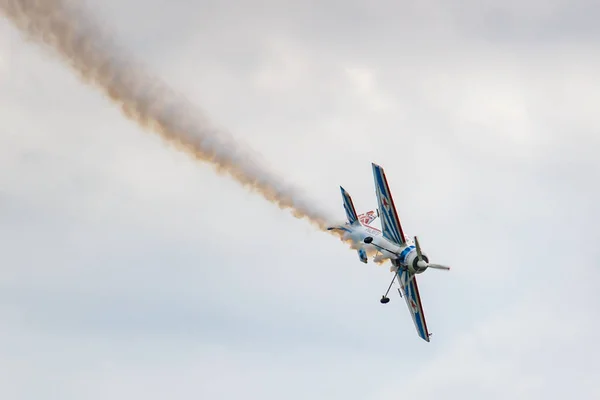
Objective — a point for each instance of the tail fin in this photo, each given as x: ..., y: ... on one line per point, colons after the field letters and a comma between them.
x: 349, y: 207
x: 368, y: 217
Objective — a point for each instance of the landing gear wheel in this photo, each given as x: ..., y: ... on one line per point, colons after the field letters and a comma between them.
x: 384, y: 300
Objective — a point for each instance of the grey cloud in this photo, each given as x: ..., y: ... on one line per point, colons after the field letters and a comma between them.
x: 489, y: 137
x: 533, y: 23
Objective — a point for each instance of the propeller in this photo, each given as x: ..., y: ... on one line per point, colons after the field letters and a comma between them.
x: 405, y: 275
x: 424, y: 264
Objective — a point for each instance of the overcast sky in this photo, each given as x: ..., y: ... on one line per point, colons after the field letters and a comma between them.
x: 128, y: 270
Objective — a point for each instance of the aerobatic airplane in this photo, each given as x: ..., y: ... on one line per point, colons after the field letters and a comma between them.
x: 390, y: 243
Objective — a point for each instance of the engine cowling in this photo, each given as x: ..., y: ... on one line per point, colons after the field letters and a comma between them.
x: 412, y: 262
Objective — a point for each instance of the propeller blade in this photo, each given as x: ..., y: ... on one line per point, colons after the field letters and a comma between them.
x: 419, y: 254
x: 438, y: 266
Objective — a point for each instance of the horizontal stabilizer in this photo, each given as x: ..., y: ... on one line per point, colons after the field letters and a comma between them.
x: 362, y: 254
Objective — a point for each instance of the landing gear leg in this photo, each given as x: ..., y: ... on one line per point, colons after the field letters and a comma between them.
x: 384, y: 298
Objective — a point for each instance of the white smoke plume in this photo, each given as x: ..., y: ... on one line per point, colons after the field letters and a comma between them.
x: 71, y: 32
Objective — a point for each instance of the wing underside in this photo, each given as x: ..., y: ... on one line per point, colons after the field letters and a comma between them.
x: 410, y: 291
x: 390, y: 223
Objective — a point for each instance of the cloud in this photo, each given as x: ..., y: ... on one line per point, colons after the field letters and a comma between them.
x: 133, y: 270
x: 524, y: 351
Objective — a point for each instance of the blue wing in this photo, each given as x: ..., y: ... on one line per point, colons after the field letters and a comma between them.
x: 413, y: 301
x: 349, y: 207
x: 390, y: 223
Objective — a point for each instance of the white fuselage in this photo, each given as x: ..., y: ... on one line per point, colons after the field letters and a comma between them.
x: 404, y: 256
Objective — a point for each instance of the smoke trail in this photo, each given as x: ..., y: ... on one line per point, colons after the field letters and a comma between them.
x: 143, y: 98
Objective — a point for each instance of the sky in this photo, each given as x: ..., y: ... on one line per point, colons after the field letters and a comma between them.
x: 129, y: 270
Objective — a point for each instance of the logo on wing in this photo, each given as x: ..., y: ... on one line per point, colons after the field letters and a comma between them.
x: 385, y: 202
x: 413, y: 306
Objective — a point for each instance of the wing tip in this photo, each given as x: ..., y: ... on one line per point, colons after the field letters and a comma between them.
x: 378, y: 171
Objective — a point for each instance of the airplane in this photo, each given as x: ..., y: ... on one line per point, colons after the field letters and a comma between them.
x: 405, y: 254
